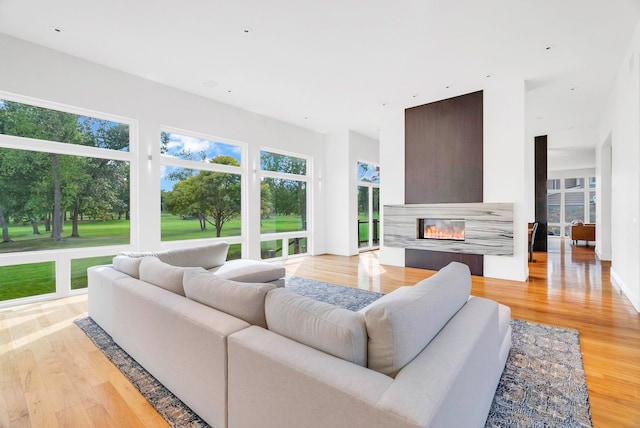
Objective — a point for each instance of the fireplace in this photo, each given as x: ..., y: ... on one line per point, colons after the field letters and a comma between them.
x: 441, y: 229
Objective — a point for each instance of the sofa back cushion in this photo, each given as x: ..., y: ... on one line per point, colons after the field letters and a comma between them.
x: 336, y: 331
x: 241, y: 299
x: 402, y: 323
x: 156, y: 272
x: 204, y: 256
x: 128, y: 265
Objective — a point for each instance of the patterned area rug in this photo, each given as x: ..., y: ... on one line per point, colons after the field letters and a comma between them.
x: 543, y: 384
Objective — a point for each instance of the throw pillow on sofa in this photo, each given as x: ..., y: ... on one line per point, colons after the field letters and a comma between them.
x: 328, y: 328
x: 402, y: 323
x: 156, y: 272
x: 204, y: 256
x: 128, y: 265
x: 241, y: 299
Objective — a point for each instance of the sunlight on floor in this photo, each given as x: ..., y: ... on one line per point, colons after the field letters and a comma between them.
x: 369, y: 271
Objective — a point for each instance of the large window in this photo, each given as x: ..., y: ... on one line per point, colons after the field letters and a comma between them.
x: 201, y: 187
x: 368, y: 205
x: 64, y: 184
x: 570, y: 200
x: 283, y: 204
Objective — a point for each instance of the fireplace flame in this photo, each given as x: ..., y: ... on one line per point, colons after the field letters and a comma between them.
x: 451, y: 232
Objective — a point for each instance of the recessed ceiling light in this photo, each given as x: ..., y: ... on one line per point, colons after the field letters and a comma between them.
x: 209, y: 84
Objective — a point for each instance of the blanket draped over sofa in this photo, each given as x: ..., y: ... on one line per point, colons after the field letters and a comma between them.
x: 242, y: 351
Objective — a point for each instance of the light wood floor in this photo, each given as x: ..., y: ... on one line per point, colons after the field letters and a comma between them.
x: 52, y: 375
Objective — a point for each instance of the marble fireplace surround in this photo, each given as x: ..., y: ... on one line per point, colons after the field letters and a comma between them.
x: 488, y: 227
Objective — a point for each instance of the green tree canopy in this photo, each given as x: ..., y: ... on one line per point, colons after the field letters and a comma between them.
x: 214, y: 197
x: 40, y: 185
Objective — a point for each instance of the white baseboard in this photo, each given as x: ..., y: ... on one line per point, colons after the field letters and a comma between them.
x: 616, y: 280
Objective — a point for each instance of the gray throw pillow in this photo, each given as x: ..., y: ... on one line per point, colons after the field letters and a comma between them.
x: 402, y: 323
x: 128, y: 265
x: 243, y: 300
x: 156, y: 272
x: 320, y: 325
x: 204, y: 256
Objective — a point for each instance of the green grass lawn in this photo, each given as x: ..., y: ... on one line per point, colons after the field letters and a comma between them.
x: 174, y: 228
x: 27, y: 280
x: 39, y: 278
x: 278, y: 224
x: 79, y: 270
x: 92, y: 234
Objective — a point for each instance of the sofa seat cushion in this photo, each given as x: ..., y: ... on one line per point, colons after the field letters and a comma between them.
x: 247, y: 270
x: 402, y: 323
x: 240, y: 299
x: 325, y: 327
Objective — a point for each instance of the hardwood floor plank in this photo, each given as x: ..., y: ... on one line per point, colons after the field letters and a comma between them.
x: 75, y: 416
x: 115, y: 406
x: 41, y: 413
x: 28, y: 369
x: 14, y: 405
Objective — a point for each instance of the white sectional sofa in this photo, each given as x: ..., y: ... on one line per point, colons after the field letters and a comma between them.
x: 244, y: 354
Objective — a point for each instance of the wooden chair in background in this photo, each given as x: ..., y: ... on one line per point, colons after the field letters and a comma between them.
x: 533, y: 228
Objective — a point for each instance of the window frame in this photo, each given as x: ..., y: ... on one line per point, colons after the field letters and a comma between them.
x: 62, y: 257
x: 308, y: 180
x: 242, y: 171
x: 585, y: 190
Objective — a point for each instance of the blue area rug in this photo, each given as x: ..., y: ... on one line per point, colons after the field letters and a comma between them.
x: 543, y: 384
x: 353, y: 299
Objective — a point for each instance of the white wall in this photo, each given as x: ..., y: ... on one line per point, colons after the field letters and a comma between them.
x: 343, y: 151
x: 621, y: 125
x: 392, y: 174
x: 504, y: 170
x: 572, y: 173
x: 38, y: 72
x: 337, y: 210
x: 603, y: 203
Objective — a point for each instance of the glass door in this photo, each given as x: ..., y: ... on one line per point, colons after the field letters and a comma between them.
x: 368, y: 206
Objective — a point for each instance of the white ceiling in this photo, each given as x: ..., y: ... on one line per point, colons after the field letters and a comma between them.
x: 331, y: 65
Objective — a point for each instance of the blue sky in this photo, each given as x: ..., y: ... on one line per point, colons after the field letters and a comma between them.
x: 370, y: 174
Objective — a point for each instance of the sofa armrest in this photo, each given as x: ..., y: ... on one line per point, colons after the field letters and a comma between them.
x: 459, y: 369
x: 100, y: 286
x: 181, y: 342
